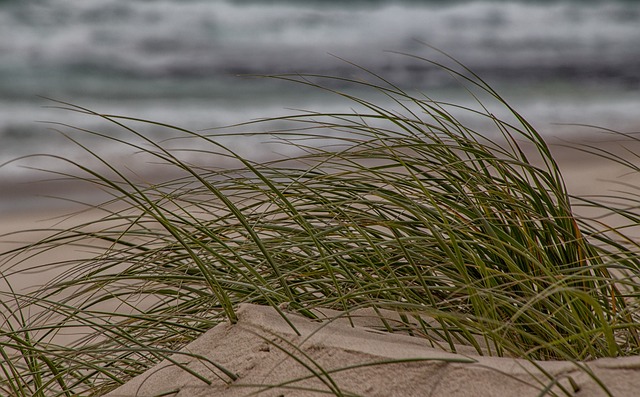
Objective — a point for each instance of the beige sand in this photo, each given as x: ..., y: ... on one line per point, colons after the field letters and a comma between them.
x: 251, y: 348
x: 28, y: 271
x: 261, y: 348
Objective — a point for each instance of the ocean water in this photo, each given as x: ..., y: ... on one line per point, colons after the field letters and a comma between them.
x: 186, y: 62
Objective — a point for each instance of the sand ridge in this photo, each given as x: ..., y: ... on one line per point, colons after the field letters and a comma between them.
x: 264, y: 352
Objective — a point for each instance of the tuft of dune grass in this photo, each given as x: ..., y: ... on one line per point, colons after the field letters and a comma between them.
x: 409, y: 209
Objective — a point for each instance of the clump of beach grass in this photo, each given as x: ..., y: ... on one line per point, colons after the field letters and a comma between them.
x: 409, y: 209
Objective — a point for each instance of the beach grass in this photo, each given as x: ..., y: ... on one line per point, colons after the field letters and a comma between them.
x: 398, y: 206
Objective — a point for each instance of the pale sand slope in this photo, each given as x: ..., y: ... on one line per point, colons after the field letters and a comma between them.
x: 252, y: 347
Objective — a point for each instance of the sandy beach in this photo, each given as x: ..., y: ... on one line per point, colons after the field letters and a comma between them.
x: 270, y: 359
x: 308, y: 198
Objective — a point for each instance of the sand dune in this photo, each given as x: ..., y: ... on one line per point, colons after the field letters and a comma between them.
x: 264, y: 352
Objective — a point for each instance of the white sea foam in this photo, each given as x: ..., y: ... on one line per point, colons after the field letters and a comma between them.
x: 149, y: 37
x: 170, y: 60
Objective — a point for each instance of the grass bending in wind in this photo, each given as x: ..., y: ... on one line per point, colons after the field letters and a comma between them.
x: 410, y: 210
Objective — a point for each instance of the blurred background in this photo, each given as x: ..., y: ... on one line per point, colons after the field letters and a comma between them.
x: 185, y: 62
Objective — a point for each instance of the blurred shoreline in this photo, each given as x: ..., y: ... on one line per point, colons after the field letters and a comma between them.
x: 178, y: 63
x: 584, y: 174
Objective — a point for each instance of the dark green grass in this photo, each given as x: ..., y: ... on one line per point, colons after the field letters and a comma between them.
x: 409, y: 209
